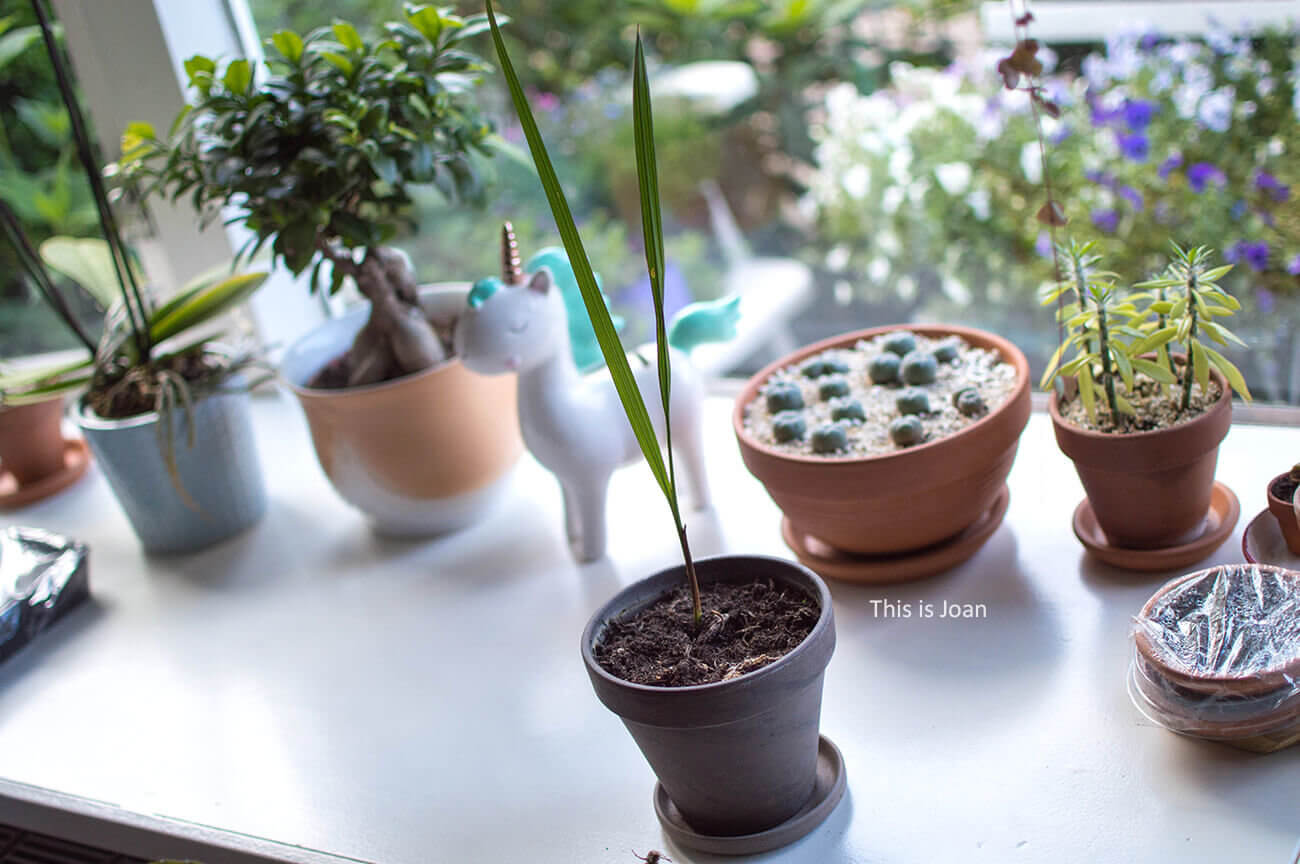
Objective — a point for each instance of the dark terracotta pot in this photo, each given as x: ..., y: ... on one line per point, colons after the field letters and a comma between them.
x: 898, y: 502
x: 1149, y: 490
x: 1284, y: 512
x: 736, y: 757
x: 31, y: 440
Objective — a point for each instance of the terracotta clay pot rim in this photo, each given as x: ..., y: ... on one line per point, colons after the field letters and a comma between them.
x: 1260, y: 684
x: 1225, y: 395
x: 1010, y: 354
x: 336, y: 392
x: 749, y: 678
x: 1279, y: 499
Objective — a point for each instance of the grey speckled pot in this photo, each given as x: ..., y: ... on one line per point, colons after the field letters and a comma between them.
x: 220, y: 472
x: 736, y: 757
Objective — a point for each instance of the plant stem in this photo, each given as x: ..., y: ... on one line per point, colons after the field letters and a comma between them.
x: 1107, y: 377
x: 697, y: 609
x: 1189, y: 373
x: 31, y: 262
x: 133, y: 300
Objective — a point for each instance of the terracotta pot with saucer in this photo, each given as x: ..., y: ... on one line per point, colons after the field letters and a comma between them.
x: 1283, y: 506
x: 902, y: 515
x: 1153, y: 503
x: 35, y: 459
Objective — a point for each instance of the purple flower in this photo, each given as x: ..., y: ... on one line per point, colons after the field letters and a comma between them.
x: 1103, y: 116
x: 1101, y: 178
x: 1061, y: 135
x: 1106, y: 220
x: 1257, y: 256
x: 1043, y: 245
x: 1235, y: 252
x: 1276, y: 190
x: 1135, y: 146
x: 1264, y: 300
x: 1238, y: 210
x: 1149, y: 41
x: 1294, y: 267
x: 1202, y: 173
x: 1175, y: 160
x: 1138, y: 114
x: 1133, y: 197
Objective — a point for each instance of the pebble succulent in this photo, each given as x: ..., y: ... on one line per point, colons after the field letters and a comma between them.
x: 901, y: 343
x: 832, y: 387
x: 821, y: 367
x: 789, y: 426
x: 883, y: 369
x: 913, y: 401
x: 829, y: 438
x: 969, y: 402
x: 919, y: 367
x: 848, y: 409
x: 906, y: 431
x: 946, y: 352
x: 784, y: 396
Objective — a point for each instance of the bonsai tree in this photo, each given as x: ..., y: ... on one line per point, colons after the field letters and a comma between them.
x: 316, y: 156
x: 141, y: 363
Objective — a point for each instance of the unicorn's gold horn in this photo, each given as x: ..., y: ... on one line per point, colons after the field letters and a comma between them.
x: 512, y: 271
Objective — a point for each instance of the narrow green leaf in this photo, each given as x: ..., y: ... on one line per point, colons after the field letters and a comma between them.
x: 1216, y: 274
x: 1124, y: 366
x: 1124, y: 406
x: 1087, y: 392
x: 204, y: 305
x: 1153, y: 341
x: 1154, y: 371
x: 1199, y: 364
x: 1230, y: 372
x: 606, y: 335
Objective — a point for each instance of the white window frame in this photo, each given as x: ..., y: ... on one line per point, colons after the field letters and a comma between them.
x: 1094, y: 20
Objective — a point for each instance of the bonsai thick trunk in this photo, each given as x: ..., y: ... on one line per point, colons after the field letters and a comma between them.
x: 397, y: 339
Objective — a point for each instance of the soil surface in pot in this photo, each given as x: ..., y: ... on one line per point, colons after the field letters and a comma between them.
x: 336, y: 374
x: 1155, y: 408
x: 879, y: 396
x: 1284, y: 488
x: 135, y: 392
x: 745, y: 627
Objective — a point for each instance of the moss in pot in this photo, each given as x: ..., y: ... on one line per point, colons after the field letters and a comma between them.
x: 734, y: 742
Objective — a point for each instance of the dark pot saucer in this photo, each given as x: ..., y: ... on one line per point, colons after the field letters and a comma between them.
x: 829, y: 789
x: 1216, y: 528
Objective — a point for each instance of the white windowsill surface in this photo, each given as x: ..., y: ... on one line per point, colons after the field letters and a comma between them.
x: 314, y: 686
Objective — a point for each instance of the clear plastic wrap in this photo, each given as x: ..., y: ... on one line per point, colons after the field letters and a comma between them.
x: 1217, y: 655
x: 42, y: 575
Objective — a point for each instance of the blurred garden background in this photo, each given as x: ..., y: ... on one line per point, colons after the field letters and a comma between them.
x: 871, y: 141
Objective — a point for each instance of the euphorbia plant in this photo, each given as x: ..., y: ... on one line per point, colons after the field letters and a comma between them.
x: 606, y: 334
x: 316, y: 156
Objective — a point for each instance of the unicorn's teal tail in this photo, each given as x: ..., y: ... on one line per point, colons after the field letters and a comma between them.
x: 708, y: 321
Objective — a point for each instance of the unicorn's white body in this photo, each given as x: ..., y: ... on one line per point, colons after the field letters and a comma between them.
x: 572, y: 423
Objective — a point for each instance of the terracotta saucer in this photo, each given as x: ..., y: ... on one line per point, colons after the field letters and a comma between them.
x: 1217, y: 527
x: 76, y: 456
x: 880, y: 570
x: 1262, y: 543
x: 827, y: 792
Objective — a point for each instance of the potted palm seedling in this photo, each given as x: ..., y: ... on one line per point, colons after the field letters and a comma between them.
x: 162, y: 410
x: 728, y: 722
x: 317, y: 157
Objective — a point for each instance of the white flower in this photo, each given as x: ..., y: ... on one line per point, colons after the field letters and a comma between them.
x: 1096, y: 70
x: 837, y: 258
x: 1266, y: 86
x: 888, y: 244
x: 905, y: 288
x: 980, y: 204
x: 954, y: 177
x: 1031, y: 162
x: 856, y: 181
x: 900, y: 163
x: 878, y: 269
x: 892, y: 199
x: 1215, y: 109
x: 1247, y: 109
x: 956, y: 291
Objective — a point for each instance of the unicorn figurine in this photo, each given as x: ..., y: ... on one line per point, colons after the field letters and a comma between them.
x: 574, y: 423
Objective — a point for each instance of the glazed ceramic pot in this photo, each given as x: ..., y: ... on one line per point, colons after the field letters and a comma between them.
x: 1244, y: 688
x: 736, y: 757
x: 219, y: 472
x: 420, y: 455
x: 31, y: 440
x: 1284, y: 511
x: 1149, y: 490
x: 897, y: 502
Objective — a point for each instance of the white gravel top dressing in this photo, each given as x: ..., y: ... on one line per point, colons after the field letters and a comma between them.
x: 971, y: 367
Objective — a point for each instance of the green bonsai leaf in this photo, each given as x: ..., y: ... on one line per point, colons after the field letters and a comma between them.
x: 348, y: 37
x: 238, y: 76
x: 289, y: 44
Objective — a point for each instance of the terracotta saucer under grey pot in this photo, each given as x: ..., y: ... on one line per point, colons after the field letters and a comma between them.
x: 741, y: 765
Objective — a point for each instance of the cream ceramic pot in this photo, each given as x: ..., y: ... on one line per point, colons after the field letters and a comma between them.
x: 420, y: 455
